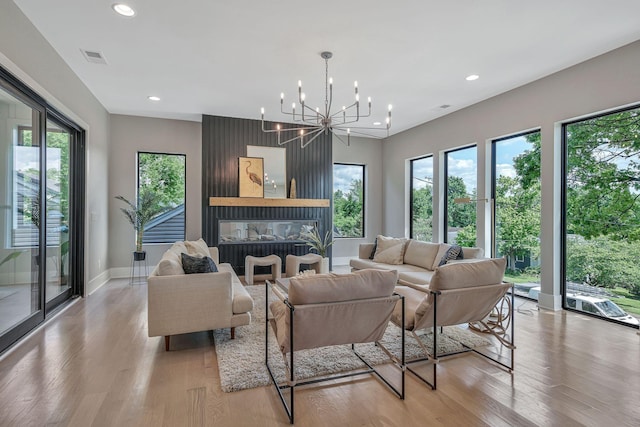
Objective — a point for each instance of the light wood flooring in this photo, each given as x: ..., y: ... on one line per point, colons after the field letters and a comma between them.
x: 94, y: 365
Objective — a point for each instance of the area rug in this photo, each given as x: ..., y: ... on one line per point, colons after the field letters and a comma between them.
x: 241, y: 362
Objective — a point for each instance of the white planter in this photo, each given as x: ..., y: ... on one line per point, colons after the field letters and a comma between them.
x: 324, y: 265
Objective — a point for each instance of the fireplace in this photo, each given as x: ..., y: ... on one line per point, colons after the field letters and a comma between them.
x: 233, y: 232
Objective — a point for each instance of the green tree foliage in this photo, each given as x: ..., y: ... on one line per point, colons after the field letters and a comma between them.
x: 604, y: 262
x: 461, y: 215
x: 422, y: 226
x: 348, y: 210
x: 163, y: 175
x: 602, y: 190
x: 517, y: 218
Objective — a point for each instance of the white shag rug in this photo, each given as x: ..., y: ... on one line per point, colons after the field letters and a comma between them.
x: 241, y: 361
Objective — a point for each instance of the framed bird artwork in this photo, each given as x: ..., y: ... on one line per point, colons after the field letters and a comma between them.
x: 251, y: 176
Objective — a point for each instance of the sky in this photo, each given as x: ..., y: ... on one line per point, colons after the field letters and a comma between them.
x: 462, y: 163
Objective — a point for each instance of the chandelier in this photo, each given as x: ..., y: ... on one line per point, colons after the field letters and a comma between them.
x: 316, y: 122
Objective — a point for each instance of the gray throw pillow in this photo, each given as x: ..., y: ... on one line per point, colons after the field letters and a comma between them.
x: 194, y: 265
x: 375, y: 246
x: 452, y: 253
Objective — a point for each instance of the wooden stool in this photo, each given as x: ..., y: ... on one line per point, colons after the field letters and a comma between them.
x: 252, y: 261
x: 293, y: 263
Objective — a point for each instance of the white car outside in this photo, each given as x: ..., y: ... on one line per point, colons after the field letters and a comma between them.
x: 595, y: 305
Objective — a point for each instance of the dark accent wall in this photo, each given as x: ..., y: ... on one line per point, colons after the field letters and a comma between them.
x: 224, y: 140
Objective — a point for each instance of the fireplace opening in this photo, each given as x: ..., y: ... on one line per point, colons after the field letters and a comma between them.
x: 265, y: 231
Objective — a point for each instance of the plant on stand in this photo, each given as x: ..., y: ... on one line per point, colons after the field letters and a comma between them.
x: 146, y: 208
x: 320, y: 245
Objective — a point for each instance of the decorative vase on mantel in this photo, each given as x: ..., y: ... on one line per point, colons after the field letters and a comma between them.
x: 292, y: 189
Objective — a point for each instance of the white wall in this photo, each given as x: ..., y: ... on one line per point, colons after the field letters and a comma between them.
x: 368, y: 152
x: 27, y: 55
x: 606, y: 82
x: 130, y: 134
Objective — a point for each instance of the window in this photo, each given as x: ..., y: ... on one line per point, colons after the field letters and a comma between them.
x: 517, y: 203
x: 165, y: 176
x: 348, y: 200
x: 602, y: 209
x: 461, y: 189
x: 421, y: 209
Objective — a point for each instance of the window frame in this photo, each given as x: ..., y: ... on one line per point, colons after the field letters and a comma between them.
x: 411, y: 177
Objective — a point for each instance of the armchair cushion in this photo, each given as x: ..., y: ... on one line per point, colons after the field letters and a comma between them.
x: 465, y: 275
x: 323, y: 288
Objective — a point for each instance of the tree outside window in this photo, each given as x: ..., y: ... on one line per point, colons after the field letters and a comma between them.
x: 348, y: 200
x: 165, y: 176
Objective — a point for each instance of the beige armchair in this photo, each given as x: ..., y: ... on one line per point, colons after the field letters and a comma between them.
x: 180, y: 303
x: 332, y: 309
x: 458, y: 293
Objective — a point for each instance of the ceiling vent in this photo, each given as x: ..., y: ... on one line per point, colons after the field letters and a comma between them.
x: 93, y: 56
x: 445, y: 106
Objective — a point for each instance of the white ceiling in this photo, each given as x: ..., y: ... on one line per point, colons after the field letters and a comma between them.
x: 230, y: 58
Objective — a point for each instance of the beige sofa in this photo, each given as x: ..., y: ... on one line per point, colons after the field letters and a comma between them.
x: 417, y: 260
x: 180, y: 303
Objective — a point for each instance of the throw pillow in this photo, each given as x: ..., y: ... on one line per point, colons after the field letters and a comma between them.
x: 193, y: 265
x: 389, y: 250
x: 452, y: 253
x: 375, y: 246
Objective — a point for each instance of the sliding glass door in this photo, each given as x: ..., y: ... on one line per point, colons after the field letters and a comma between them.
x: 21, y: 301
x: 41, y: 209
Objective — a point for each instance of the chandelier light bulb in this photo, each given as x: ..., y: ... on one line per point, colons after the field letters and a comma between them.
x: 357, y: 97
x: 262, y: 111
x: 302, y: 97
x: 282, y: 95
x: 330, y: 80
x: 390, y: 107
x: 299, y: 83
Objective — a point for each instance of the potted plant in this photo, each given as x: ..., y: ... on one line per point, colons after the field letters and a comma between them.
x: 320, y: 245
x: 146, y: 208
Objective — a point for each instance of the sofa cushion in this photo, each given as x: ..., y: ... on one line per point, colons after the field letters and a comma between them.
x: 195, y: 265
x: 323, y: 288
x: 465, y: 275
x: 416, y: 277
x: 178, y: 248
x: 169, y: 267
x: 472, y: 252
x: 442, y: 249
x: 422, y: 254
x: 197, y: 247
x: 389, y: 250
x: 361, y: 264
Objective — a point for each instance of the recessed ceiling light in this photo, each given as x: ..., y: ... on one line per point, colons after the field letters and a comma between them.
x: 472, y: 77
x: 377, y: 123
x: 123, y: 9
x: 153, y: 98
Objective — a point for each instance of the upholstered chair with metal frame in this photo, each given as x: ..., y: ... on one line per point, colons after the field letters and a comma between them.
x: 332, y: 309
x: 459, y: 293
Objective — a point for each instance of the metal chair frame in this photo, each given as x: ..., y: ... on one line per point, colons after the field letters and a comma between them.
x: 292, y: 383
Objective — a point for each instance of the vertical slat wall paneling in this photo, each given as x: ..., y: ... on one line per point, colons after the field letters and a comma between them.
x: 224, y: 140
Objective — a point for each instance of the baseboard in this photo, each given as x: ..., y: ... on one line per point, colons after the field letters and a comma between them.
x: 120, y: 272
x: 97, y: 282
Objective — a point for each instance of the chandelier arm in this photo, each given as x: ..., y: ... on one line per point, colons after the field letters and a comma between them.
x: 317, y: 133
x: 348, y: 143
x: 368, y: 135
x: 298, y: 136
